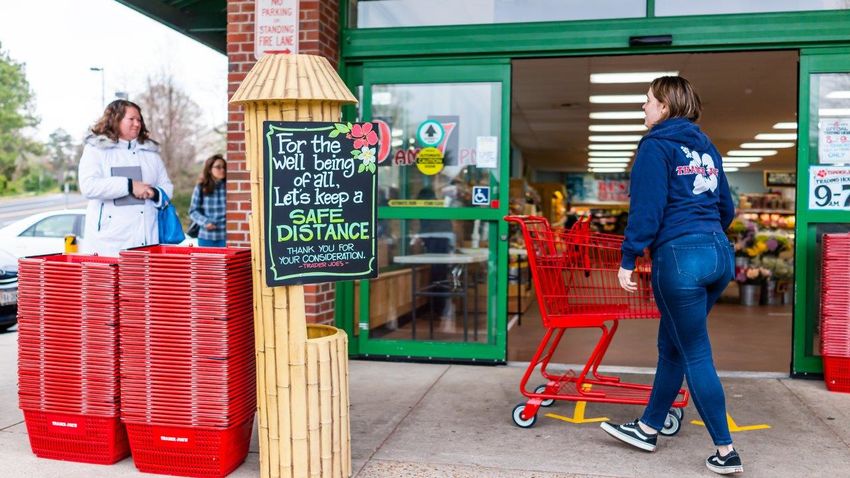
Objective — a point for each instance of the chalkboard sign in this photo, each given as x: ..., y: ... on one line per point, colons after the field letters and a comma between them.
x: 319, y: 201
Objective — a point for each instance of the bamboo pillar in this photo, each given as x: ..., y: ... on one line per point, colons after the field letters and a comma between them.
x: 302, y: 371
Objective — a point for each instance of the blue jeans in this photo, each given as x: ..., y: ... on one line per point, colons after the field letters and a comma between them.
x: 210, y: 243
x: 688, y: 275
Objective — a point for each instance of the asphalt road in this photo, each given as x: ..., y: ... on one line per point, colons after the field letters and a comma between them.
x: 12, y: 209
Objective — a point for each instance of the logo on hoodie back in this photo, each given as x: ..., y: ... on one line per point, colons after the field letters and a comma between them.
x: 700, y: 165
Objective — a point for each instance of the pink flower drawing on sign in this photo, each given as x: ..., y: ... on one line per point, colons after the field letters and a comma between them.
x: 363, y: 135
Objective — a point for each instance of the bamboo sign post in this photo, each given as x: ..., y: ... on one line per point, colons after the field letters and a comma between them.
x: 303, y: 232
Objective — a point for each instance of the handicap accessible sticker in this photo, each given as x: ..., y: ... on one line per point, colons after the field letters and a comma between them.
x: 480, y: 195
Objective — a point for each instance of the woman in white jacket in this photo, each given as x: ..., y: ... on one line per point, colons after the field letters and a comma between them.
x: 123, y: 177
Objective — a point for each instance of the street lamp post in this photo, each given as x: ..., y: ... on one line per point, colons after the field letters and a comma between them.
x: 102, y: 84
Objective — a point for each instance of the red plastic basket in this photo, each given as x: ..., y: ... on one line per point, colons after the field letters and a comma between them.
x: 836, y: 373
x: 81, y: 438
x: 189, y: 451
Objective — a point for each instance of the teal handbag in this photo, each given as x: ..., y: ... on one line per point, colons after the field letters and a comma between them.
x: 170, y: 229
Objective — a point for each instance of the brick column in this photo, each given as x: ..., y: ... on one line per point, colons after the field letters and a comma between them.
x: 318, y: 35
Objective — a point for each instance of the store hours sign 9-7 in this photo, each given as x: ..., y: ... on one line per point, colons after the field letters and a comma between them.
x: 319, y: 185
x: 829, y: 187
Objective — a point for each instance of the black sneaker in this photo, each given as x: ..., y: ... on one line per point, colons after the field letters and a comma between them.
x: 631, y: 434
x: 725, y: 465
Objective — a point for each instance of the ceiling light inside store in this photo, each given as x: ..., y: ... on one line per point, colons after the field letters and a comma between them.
x: 752, y: 152
x: 397, y: 143
x: 609, y: 160
x: 611, y: 99
x: 638, y: 77
x: 617, y: 115
x: 397, y: 133
x: 614, y: 138
x: 730, y: 170
x: 735, y: 165
x: 745, y: 159
x: 611, y: 154
x: 766, y: 145
x: 788, y: 125
x: 607, y: 170
x: 616, y: 128
x: 612, y: 147
x: 833, y: 95
x: 776, y: 136
x: 834, y: 112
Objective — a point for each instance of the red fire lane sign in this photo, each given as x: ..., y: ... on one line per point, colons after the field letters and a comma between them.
x: 275, y: 27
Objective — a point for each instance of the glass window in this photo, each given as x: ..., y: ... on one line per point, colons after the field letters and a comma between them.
x: 670, y: 8
x: 416, y: 13
x: 829, y: 125
x: 459, y: 123
x: 432, y: 282
x: 820, y: 230
x: 55, y: 226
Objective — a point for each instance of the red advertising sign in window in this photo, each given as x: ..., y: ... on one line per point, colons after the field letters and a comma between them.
x: 616, y: 191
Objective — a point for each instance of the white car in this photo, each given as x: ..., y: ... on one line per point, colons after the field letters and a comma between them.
x: 8, y: 291
x: 42, y: 233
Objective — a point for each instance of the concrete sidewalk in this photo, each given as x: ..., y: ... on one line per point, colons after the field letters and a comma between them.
x: 423, y: 420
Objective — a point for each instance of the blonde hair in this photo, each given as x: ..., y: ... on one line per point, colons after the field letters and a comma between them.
x: 678, y: 95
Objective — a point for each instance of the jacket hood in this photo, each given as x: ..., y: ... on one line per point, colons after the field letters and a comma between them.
x: 680, y: 130
x: 104, y: 142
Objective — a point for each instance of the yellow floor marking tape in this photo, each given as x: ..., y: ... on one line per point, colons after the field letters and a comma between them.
x: 578, y: 414
x: 734, y: 427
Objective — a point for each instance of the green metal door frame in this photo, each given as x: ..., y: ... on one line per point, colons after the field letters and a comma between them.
x: 820, y: 36
x: 443, y: 71
x: 805, y: 361
x: 698, y: 33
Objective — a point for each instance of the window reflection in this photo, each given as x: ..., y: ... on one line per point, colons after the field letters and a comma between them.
x: 465, y: 120
x: 415, y: 13
x: 829, y: 127
x: 669, y: 8
x: 441, y: 267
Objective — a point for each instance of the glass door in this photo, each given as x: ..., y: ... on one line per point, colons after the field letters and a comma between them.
x: 823, y: 188
x: 442, y: 192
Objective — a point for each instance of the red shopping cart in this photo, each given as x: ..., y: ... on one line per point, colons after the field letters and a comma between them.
x: 575, y: 281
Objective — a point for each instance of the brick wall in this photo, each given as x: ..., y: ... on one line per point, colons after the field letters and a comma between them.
x: 318, y: 33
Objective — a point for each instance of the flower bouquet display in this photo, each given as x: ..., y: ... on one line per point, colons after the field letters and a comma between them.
x: 751, y: 279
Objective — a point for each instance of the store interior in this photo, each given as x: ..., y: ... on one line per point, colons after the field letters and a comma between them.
x: 575, y: 124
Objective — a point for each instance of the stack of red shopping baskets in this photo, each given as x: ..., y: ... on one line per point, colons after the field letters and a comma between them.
x: 187, y: 358
x: 68, y: 357
x: 835, y: 311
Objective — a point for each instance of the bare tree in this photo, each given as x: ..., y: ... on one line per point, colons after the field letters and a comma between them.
x: 173, y: 119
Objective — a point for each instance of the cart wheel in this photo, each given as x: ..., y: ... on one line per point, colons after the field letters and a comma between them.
x: 520, y: 422
x: 679, y: 412
x: 544, y: 403
x: 672, y: 425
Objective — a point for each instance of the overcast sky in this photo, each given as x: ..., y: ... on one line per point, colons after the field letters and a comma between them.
x: 60, y: 40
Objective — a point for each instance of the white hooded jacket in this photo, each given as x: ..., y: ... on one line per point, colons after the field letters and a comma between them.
x: 111, y: 228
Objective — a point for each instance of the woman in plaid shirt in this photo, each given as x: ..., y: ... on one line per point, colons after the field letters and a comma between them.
x: 208, y: 207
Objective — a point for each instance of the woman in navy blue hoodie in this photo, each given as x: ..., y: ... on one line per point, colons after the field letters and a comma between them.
x: 680, y: 207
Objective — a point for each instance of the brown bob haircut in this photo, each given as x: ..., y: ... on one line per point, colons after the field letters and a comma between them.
x: 109, y: 124
x: 678, y: 95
